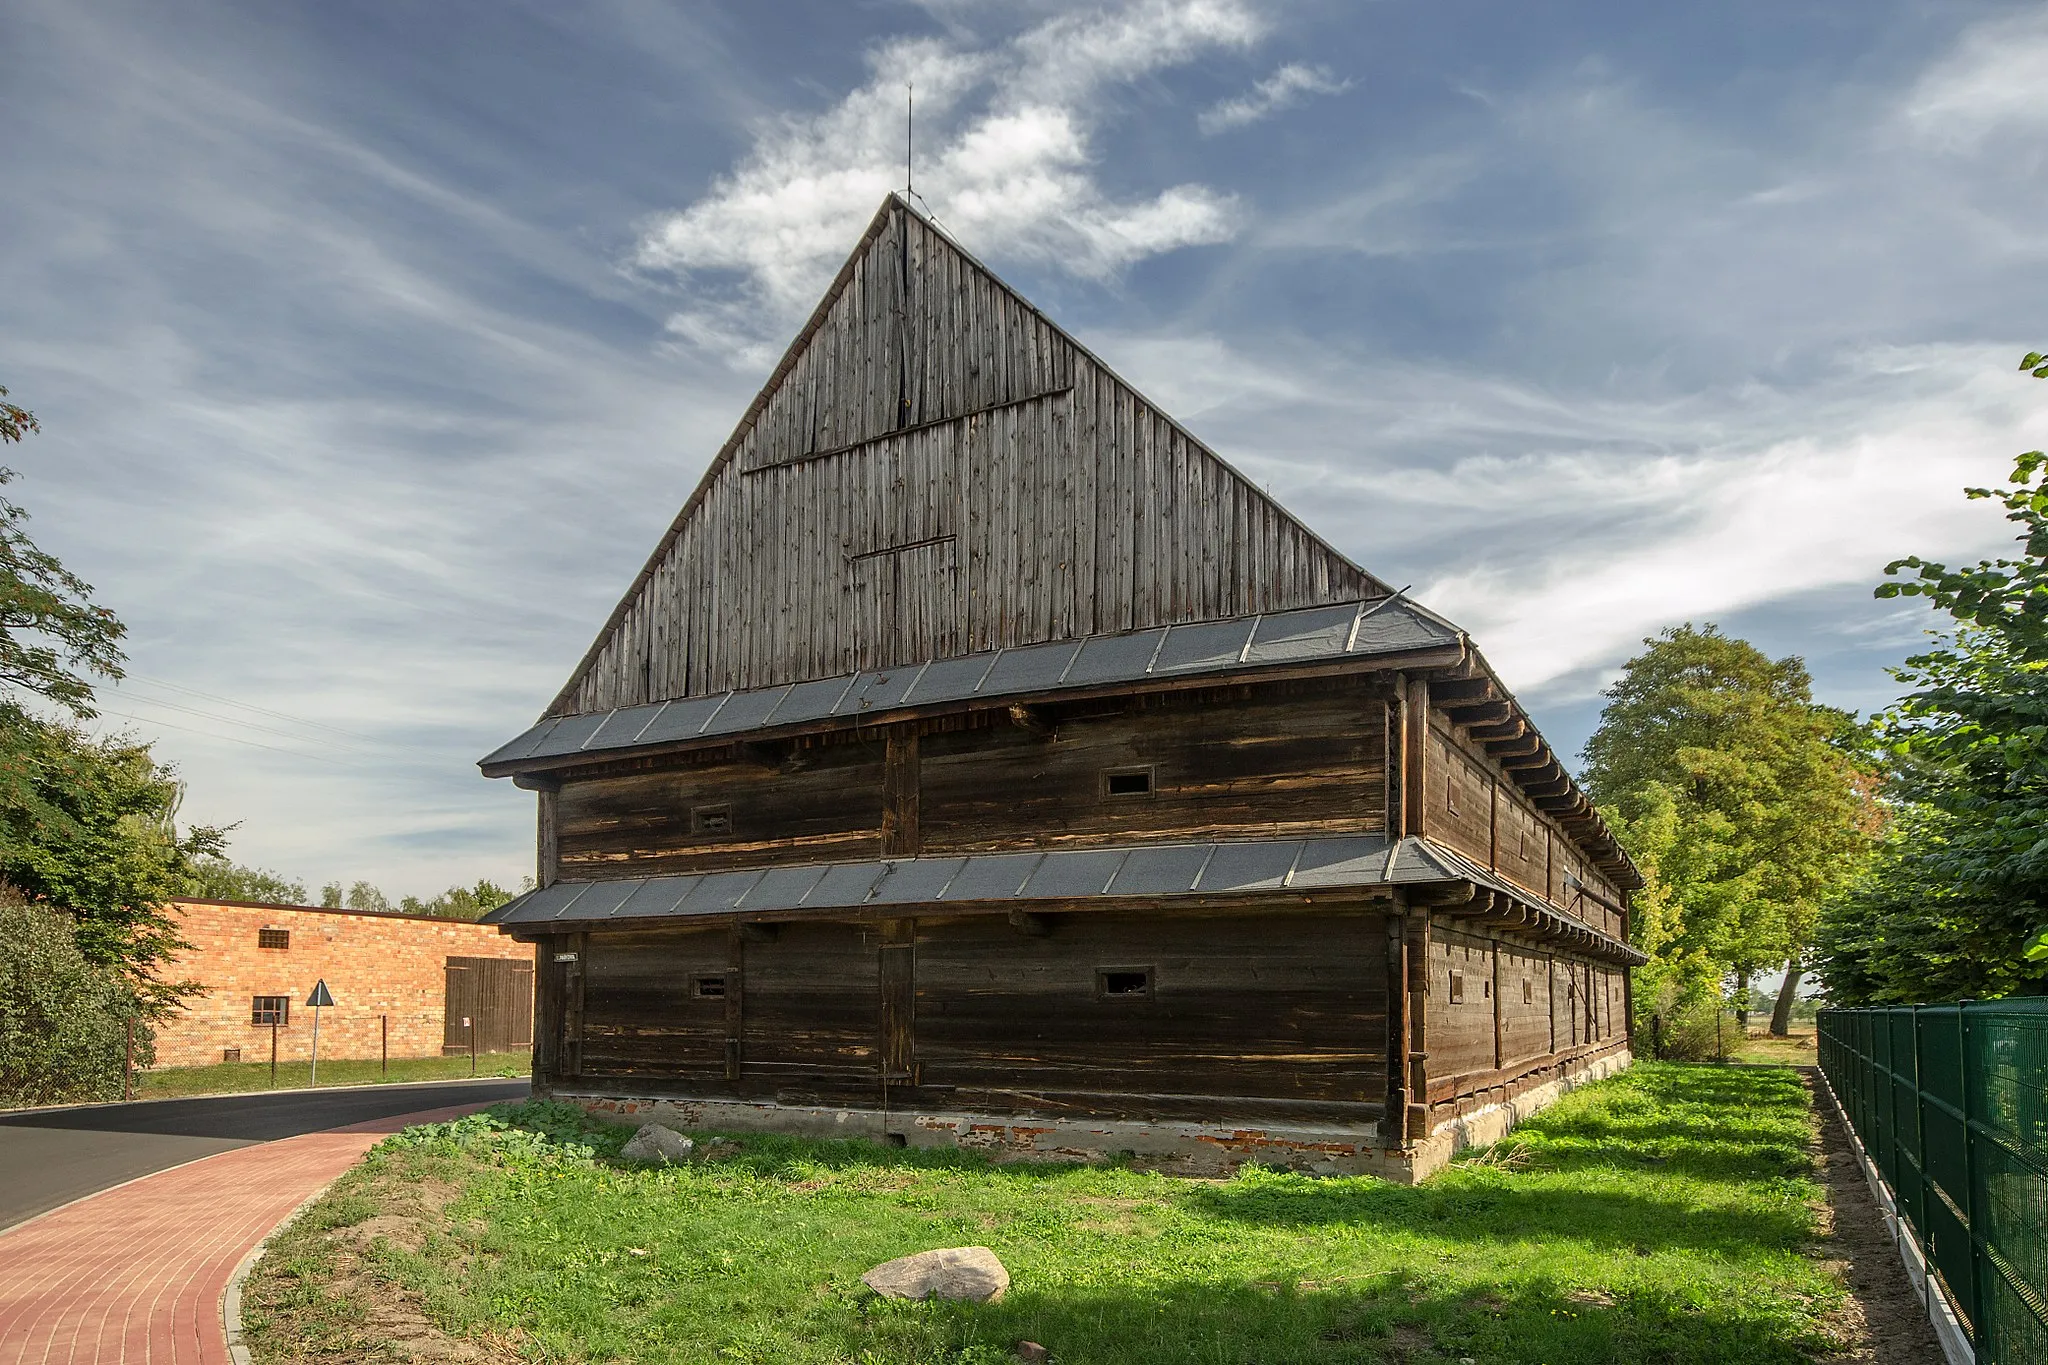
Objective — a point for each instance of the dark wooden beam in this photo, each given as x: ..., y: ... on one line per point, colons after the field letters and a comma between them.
x: 1451, y: 691
x: 537, y: 782
x: 1508, y: 729
x: 1516, y: 748
x: 1480, y: 712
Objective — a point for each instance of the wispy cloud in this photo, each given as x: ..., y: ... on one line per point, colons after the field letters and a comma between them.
x: 1004, y: 154
x: 1287, y: 86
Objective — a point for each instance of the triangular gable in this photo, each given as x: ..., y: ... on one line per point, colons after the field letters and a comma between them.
x: 935, y: 469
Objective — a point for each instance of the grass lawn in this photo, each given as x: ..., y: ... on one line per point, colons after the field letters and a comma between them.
x: 1796, y: 1049
x: 225, y: 1078
x: 1665, y: 1215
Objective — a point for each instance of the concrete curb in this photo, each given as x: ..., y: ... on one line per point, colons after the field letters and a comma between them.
x: 1948, y: 1329
x: 231, y: 1297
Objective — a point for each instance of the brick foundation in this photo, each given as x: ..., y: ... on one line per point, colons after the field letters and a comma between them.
x: 392, y: 966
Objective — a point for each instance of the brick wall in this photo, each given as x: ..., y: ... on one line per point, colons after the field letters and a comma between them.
x: 375, y: 965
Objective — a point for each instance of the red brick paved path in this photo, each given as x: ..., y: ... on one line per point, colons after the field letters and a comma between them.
x: 136, y: 1273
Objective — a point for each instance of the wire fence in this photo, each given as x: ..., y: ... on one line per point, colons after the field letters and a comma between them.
x: 1951, y: 1103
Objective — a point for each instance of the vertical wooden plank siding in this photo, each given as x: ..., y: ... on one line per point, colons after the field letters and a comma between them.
x: 547, y: 852
x: 928, y: 402
x: 1415, y: 757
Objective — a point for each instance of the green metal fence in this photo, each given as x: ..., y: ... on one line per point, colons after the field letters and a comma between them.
x: 1951, y: 1103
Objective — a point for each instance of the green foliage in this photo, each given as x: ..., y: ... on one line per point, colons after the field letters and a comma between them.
x: 63, y: 1020
x: 460, y: 902
x: 1666, y: 1215
x: 215, y: 878
x: 1745, y: 803
x: 53, y: 639
x: 89, y: 825
x: 1951, y: 907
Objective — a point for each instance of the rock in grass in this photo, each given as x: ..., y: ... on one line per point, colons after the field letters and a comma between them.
x: 968, y: 1274
x: 657, y: 1143
x: 1030, y: 1352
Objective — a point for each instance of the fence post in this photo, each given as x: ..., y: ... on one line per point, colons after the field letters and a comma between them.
x: 384, y: 1045
x: 1977, y: 1267
x: 273, y: 1049
x: 128, y: 1064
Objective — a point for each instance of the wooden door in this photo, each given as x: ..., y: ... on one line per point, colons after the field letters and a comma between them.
x: 488, y: 1004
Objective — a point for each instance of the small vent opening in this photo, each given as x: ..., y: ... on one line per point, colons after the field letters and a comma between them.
x: 1130, y: 782
x: 1124, y: 983
x: 273, y: 938
x: 709, y: 988
x: 711, y: 820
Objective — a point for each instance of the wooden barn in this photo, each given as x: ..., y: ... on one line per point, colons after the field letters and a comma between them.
x: 980, y: 759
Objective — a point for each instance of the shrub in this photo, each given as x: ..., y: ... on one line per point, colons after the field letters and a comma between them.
x: 1686, y: 1014
x: 63, y: 1020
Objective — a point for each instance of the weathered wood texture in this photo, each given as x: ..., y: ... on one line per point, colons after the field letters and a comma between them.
x: 1277, y: 1006
x: 1284, y: 1010
x: 1289, y: 761
x: 1472, y: 805
x: 1282, y: 759
x: 936, y: 469
x: 652, y: 823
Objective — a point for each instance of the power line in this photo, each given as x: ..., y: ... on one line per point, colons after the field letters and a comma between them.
x: 248, y: 706
x: 237, y: 721
x: 232, y: 739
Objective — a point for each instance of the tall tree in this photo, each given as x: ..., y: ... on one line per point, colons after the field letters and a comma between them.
x: 87, y: 825
x: 54, y: 639
x: 1743, y: 798
x: 1958, y: 903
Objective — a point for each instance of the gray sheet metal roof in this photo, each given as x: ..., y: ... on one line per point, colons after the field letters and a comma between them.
x: 1312, y: 634
x: 1100, y: 875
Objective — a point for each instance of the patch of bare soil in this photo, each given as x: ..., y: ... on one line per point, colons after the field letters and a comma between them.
x: 322, y: 1297
x: 1883, y: 1320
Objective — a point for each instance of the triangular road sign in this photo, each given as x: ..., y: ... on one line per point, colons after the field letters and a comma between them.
x: 320, y: 995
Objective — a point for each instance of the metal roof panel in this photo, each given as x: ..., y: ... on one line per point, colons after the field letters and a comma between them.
x: 1203, y: 646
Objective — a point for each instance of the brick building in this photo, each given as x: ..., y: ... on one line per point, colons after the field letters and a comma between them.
x: 417, y: 976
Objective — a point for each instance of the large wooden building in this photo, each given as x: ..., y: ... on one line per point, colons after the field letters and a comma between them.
x: 980, y: 759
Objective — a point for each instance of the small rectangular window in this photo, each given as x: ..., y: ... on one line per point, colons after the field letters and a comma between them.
x: 273, y: 938
x: 1128, y: 782
x: 1124, y: 983
x: 711, y: 820
x: 1528, y: 991
x: 709, y: 988
x: 270, y: 1009
x: 1457, y: 988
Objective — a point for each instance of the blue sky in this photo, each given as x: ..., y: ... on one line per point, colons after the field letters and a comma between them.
x: 375, y: 345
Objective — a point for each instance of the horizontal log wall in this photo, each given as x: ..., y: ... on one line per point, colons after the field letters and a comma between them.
x: 1280, y: 1014
x: 1286, y: 761
x: 938, y: 469
x: 647, y: 823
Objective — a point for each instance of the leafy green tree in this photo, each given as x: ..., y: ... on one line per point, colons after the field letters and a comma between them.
x: 460, y: 902
x: 218, y: 879
x: 87, y: 825
x: 1744, y: 801
x: 53, y: 638
x: 1958, y: 900
x: 90, y: 826
x: 63, y: 1020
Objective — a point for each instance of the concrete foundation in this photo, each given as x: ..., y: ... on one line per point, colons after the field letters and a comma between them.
x: 1177, y: 1147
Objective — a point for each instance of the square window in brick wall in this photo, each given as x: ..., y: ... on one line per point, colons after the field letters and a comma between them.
x: 270, y: 1009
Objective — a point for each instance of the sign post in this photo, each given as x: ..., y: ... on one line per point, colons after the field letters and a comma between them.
x: 317, y: 999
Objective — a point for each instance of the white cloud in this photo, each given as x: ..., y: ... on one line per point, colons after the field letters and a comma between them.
x: 1003, y: 155
x: 1560, y: 529
x: 1993, y: 81
x: 1286, y: 86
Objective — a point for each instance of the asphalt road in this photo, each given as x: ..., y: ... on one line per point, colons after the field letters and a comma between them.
x: 53, y: 1156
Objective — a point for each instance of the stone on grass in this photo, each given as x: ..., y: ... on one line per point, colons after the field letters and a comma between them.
x: 657, y: 1143
x: 968, y: 1274
x: 1030, y: 1352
